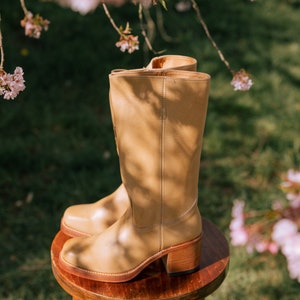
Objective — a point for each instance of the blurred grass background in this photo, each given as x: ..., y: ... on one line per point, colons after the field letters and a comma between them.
x: 57, y: 146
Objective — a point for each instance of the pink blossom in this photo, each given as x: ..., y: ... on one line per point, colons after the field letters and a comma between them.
x: 256, y: 241
x: 238, y: 209
x: 34, y: 24
x: 239, y: 236
x: 294, y: 199
x: 284, y: 230
x: 128, y: 43
x: 83, y: 7
x: 293, y: 176
x: 291, y: 246
x: 273, y: 248
x: 291, y: 185
x: 87, y: 6
x: 294, y: 268
x: 291, y: 250
x: 262, y: 246
x: 241, y: 81
x: 273, y: 229
x: 278, y: 205
x: 183, y: 5
x: 238, y: 233
x: 11, y: 84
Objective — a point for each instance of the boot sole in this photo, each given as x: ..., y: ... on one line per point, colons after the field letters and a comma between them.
x: 178, y: 260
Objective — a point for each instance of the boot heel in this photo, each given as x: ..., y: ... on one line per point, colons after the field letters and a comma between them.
x: 184, y: 259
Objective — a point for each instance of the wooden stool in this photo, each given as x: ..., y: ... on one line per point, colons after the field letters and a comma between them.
x: 153, y: 282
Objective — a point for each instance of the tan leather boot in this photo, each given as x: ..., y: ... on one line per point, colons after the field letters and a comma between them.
x: 159, y: 119
x: 93, y: 218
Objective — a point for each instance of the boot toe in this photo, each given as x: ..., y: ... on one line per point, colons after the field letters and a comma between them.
x: 74, y: 222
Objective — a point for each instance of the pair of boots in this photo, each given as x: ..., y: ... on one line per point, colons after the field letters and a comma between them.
x: 158, y: 116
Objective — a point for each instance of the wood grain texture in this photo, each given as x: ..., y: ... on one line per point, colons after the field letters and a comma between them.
x: 153, y: 282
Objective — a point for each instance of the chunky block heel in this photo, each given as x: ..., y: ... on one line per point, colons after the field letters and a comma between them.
x: 184, y: 259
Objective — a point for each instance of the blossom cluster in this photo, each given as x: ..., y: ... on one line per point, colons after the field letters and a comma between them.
x: 272, y: 230
x: 11, y: 84
x: 241, y: 81
x: 127, y: 41
x: 34, y: 24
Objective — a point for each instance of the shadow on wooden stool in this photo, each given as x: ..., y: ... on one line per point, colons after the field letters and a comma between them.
x: 153, y: 282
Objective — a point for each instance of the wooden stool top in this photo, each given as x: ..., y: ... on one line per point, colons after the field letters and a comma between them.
x: 153, y: 282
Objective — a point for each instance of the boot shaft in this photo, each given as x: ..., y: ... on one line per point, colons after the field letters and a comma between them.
x: 159, y: 119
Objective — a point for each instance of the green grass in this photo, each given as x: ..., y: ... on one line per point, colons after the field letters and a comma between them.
x: 57, y: 145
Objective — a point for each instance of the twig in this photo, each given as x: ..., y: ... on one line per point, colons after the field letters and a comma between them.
x: 202, y: 22
x: 110, y: 18
x: 25, y: 10
x: 143, y: 31
x: 160, y: 26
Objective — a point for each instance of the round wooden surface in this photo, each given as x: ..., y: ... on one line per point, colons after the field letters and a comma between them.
x: 153, y: 282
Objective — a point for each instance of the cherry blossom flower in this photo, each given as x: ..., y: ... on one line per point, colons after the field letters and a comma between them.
x: 238, y: 210
x: 291, y: 250
x: 241, y: 81
x: 291, y: 185
x: 272, y: 230
x: 278, y: 205
x: 86, y: 6
x: 267, y: 246
x: 283, y: 230
x: 128, y: 43
x: 11, y: 84
x: 238, y: 234
x: 82, y: 7
x: 34, y: 24
x: 273, y: 248
x: 183, y: 5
